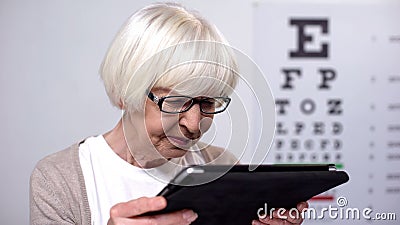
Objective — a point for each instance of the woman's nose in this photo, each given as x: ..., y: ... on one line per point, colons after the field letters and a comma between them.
x: 191, y: 119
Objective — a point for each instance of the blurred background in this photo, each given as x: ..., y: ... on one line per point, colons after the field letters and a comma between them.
x: 333, y: 67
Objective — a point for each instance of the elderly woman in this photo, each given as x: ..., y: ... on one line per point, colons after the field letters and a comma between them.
x: 170, y: 72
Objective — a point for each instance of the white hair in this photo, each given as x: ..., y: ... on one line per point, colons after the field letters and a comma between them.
x: 165, y: 45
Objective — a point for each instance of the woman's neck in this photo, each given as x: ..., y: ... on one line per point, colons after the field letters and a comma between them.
x: 115, y: 138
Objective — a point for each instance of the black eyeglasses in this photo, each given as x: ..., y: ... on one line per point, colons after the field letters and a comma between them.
x: 180, y: 104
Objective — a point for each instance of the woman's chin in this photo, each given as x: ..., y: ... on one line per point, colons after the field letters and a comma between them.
x: 175, y: 152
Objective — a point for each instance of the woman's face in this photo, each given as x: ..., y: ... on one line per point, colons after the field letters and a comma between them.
x: 173, y: 134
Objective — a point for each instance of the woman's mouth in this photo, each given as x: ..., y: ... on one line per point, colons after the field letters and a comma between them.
x: 179, y: 141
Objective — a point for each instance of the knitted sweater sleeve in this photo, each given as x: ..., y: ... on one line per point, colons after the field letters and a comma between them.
x: 57, y: 191
x: 46, y: 207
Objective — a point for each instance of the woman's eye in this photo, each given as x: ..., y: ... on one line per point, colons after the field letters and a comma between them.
x: 177, y: 103
x: 208, y: 104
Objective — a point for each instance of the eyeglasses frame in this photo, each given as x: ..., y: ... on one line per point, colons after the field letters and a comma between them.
x: 159, y: 101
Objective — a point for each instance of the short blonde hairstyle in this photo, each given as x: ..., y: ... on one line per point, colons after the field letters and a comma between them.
x: 163, y: 45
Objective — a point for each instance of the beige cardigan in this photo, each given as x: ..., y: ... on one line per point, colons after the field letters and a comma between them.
x: 58, y: 192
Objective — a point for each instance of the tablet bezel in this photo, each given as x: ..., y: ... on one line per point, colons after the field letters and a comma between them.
x: 324, y: 176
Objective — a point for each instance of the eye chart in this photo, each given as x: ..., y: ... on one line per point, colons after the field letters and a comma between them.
x: 334, y: 70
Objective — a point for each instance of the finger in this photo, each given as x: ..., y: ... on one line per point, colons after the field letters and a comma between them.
x: 118, y: 220
x: 295, y: 215
x: 281, y: 213
x: 257, y: 222
x: 302, y: 206
x: 283, y: 216
x: 180, y: 217
x: 273, y: 221
x: 138, y: 206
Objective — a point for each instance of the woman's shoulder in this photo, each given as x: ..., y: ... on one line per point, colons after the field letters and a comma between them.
x: 59, y: 168
x: 217, y: 155
x: 57, y: 191
x: 62, y: 159
x: 60, y: 171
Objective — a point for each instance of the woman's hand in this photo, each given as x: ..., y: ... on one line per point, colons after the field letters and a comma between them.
x: 283, y: 216
x: 129, y: 213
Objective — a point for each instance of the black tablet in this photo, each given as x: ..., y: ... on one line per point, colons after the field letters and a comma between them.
x: 234, y: 197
